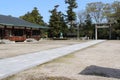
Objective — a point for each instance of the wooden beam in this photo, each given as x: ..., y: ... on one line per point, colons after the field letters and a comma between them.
x: 104, y: 26
x: 5, y: 27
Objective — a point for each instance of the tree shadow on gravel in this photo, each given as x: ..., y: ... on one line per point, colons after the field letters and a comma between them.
x: 101, y: 71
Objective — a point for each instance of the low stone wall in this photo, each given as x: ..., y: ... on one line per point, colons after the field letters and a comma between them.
x: 6, y: 41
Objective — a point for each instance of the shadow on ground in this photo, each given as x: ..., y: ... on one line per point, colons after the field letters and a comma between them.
x: 101, y: 71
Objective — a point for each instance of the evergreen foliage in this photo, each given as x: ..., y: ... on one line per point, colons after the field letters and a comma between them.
x: 57, y: 23
x: 33, y: 17
x: 96, y: 12
x: 71, y: 15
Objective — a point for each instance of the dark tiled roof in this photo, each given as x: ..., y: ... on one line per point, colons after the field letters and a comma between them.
x: 13, y: 21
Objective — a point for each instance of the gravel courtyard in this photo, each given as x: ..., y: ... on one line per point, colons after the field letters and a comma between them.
x: 99, y: 62
x: 11, y: 50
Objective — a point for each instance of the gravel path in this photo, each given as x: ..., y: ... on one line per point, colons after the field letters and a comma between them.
x: 23, y: 62
x: 98, y: 62
x: 12, y: 50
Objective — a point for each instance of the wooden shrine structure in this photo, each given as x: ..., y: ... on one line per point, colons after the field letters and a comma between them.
x: 16, y: 29
x: 103, y: 25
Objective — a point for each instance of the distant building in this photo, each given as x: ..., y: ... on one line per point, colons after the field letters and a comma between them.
x: 16, y: 29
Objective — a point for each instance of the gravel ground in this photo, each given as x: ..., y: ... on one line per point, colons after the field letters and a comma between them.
x: 99, y: 62
x: 11, y: 50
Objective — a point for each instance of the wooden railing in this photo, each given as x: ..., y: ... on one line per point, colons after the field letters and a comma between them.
x: 17, y: 38
x: 21, y: 38
x: 36, y: 37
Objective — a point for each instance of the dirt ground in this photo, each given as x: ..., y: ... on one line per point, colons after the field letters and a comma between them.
x: 98, y: 62
x: 20, y: 48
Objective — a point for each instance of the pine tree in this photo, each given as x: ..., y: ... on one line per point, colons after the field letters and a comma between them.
x: 89, y: 28
x: 56, y: 23
x: 33, y: 17
x: 64, y: 27
x: 71, y: 15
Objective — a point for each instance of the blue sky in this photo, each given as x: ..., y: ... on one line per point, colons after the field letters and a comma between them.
x: 17, y: 8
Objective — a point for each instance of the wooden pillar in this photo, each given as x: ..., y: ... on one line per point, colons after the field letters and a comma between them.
x: 1, y: 33
x: 78, y: 32
x: 110, y: 32
x: 39, y: 31
x: 96, y: 37
x: 12, y: 31
x: 24, y: 32
x: 30, y: 32
x: 4, y: 32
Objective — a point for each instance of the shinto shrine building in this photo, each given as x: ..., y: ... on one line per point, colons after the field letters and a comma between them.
x: 16, y: 29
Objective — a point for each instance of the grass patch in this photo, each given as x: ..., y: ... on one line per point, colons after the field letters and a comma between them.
x: 63, y: 59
